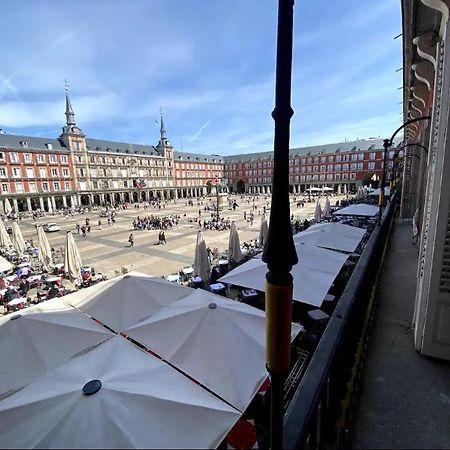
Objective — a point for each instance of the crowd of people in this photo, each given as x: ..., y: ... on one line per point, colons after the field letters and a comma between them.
x: 156, y: 223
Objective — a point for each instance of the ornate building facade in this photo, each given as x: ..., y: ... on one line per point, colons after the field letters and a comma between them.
x: 73, y: 170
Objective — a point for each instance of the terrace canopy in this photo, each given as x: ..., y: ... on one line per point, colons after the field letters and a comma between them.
x: 218, y: 342
x: 333, y: 235
x: 126, y: 300
x: 313, y: 274
x: 360, y: 209
x: 41, y: 338
x: 114, y: 395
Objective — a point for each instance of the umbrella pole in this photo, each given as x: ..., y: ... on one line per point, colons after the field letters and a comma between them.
x: 279, y: 251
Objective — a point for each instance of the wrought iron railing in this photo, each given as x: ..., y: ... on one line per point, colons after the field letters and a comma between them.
x: 320, y: 412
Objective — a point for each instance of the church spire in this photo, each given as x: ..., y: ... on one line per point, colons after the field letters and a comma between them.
x: 70, y: 115
x: 162, y: 130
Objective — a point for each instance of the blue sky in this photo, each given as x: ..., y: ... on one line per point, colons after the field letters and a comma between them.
x: 208, y: 63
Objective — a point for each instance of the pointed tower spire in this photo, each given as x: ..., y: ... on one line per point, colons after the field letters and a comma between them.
x: 162, y: 130
x: 70, y: 115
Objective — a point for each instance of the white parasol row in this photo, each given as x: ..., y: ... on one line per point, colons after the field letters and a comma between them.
x: 93, y: 388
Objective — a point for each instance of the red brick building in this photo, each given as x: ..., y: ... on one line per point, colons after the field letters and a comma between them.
x: 341, y: 166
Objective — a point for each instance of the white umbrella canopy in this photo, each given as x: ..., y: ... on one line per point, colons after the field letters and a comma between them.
x: 313, y: 275
x: 8, y: 208
x: 263, y: 231
x: 361, y: 209
x: 45, y: 251
x: 5, y: 265
x: 234, y: 245
x: 18, y: 241
x: 334, y: 236
x: 136, y: 401
x: 376, y: 192
x: 202, y: 266
x: 126, y: 300
x: 5, y: 240
x: 72, y: 258
x: 327, y: 208
x: 41, y: 338
x: 318, y: 212
x: 217, y: 341
x: 327, y: 189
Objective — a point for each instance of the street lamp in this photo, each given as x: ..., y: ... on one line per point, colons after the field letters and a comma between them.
x: 222, y: 184
x: 279, y: 251
x: 387, y: 143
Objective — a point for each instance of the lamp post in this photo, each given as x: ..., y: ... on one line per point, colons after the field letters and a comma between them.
x: 279, y: 251
x: 222, y: 184
x: 387, y: 143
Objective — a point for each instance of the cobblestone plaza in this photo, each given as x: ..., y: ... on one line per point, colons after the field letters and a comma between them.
x: 106, y: 248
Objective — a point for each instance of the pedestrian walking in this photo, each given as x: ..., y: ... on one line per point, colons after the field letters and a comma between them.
x: 131, y: 240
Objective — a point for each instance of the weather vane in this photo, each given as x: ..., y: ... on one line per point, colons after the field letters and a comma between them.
x: 66, y: 85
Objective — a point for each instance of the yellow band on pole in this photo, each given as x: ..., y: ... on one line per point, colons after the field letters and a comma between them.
x: 381, y: 198
x: 278, y: 327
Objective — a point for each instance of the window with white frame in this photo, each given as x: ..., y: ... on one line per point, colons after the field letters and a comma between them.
x: 353, y: 166
x: 63, y: 159
x: 353, y: 176
x: 2, y: 156
x: 67, y: 186
x: 4, y: 187
x: 14, y: 157
x: 19, y: 188
x: 338, y: 158
x: 360, y: 156
x: 344, y: 166
x: 53, y: 159
x: 345, y: 176
x: 337, y: 177
x: 372, y: 156
x: 354, y: 156
x: 27, y: 157
x: 371, y: 166
x: 45, y: 186
x: 3, y: 172
x: 32, y: 187
x: 54, y: 172
x: 66, y: 173
x: 330, y: 168
x: 337, y: 167
x: 41, y: 159
x: 43, y: 172
x: 16, y: 172
x: 30, y: 172
x: 360, y: 166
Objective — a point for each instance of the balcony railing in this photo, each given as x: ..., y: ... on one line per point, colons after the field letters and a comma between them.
x: 320, y: 412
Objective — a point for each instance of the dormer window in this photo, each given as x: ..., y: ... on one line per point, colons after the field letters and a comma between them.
x: 49, y: 146
x: 23, y: 144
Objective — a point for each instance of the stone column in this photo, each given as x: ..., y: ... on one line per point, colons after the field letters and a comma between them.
x: 102, y: 198
x: 15, y: 205
x: 64, y: 200
x: 53, y: 203
x: 49, y: 205
x: 29, y: 207
x: 41, y: 203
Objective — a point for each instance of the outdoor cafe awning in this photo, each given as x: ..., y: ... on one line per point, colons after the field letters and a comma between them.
x: 360, y: 209
x: 114, y: 395
x: 332, y: 235
x: 219, y: 342
x: 313, y: 275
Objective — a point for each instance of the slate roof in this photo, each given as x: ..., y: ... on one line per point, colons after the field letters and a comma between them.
x: 196, y: 157
x: 13, y: 141
x: 360, y: 145
x: 123, y: 147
